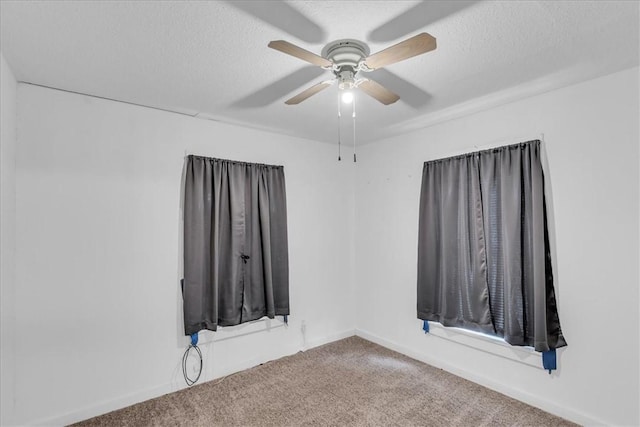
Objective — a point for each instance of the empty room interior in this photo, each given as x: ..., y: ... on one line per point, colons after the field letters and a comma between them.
x: 283, y: 213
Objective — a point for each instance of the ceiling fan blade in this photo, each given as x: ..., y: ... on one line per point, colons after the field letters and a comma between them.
x: 416, y: 45
x: 379, y: 92
x: 298, y: 52
x: 308, y: 93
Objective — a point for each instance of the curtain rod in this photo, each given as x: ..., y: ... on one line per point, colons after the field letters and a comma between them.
x: 493, y: 144
x: 508, y: 141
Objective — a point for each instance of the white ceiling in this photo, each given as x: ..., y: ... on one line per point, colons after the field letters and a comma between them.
x: 211, y: 58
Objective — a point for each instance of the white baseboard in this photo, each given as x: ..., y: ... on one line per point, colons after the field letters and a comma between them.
x: 140, y: 396
x: 533, y: 400
x: 330, y: 338
x: 104, y: 407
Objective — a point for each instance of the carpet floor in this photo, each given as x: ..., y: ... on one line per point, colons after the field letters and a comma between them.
x: 351, y: 382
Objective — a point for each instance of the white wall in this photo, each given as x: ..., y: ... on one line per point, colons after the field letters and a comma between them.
x: 7, y: 231
x: 591, y: 140
x: 98, y: 233
x: 97, y: 304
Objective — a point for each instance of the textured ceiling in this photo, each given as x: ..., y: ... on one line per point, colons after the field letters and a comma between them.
x: 211, y: 58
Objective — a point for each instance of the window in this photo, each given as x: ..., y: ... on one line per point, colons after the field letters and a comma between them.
x: 235, y: 243
x: 484, y: 261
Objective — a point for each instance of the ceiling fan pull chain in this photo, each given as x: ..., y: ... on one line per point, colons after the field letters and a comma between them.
x: 354, y: 129
x: 339, y: 117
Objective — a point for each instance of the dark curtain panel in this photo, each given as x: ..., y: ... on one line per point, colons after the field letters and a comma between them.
x: 451, y: 250
x: 236, y: 266
x: 484, y: 261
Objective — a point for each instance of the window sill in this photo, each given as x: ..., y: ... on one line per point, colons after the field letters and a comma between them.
x: 228, y: 332
x: 487, y: 344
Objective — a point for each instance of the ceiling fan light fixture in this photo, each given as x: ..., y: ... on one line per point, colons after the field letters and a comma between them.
x: 346, y: 79
x: 347, y: 97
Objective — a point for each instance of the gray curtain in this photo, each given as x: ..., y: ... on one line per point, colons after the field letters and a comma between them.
x: 235, y: 243
x: 484, y: 261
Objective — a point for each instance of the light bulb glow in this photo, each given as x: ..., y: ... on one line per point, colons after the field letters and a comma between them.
x: 347, y: 97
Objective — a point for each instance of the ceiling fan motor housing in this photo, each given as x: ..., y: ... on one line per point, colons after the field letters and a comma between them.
x: 346, y: 55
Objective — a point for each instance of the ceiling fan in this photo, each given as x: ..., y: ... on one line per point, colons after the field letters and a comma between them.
x: 348, y: 58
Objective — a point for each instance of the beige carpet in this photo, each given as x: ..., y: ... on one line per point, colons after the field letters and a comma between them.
x: 351, y: 382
